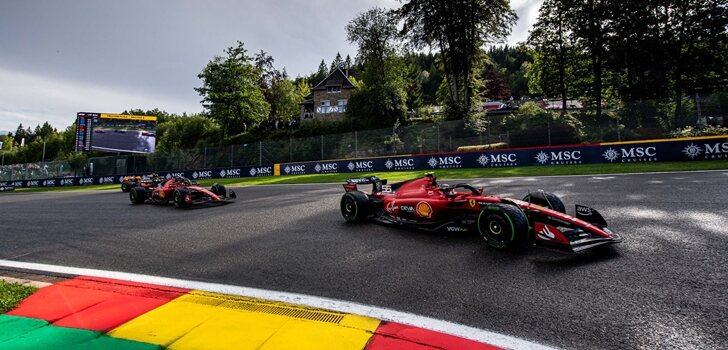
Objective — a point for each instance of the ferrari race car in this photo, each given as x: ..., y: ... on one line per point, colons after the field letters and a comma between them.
x: 505, y: 223
x: 149, y: 180
x: 183, y: 193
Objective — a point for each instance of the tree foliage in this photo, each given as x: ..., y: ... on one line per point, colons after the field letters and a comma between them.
x: 231, y: 94
x: 458, y: 29
x: 381, y: 98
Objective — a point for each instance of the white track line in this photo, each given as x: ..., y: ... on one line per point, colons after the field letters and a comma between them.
x: 463, y: 331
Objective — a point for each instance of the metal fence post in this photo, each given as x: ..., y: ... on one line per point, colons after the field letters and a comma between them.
x: 548, y: 123
x: 438, y: 137
x: 322, y: 147
x: 697, y: 105
x: 204, y: 158
x: 260, y: 152
x: 619, y: 132
x: 290, y: 149
x: 356, y: 144
x: 232, y: 151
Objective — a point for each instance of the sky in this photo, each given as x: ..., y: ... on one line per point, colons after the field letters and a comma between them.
x: 59, y: 57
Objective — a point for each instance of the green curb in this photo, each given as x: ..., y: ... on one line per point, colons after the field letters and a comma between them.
x: 21, y: 333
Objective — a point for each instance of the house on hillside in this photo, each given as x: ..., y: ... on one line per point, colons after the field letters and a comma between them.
x: 328, y: 98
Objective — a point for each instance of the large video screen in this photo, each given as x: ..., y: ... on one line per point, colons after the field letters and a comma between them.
x: 116, y: 132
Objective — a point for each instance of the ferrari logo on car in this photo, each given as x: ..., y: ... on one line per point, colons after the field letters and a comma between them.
x: 424, y: 209
x: 472, y: 203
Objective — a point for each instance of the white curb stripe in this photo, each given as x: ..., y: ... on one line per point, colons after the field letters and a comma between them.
x: 463, y: 331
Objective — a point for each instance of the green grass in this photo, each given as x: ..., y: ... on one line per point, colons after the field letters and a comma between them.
x: 12, y: 294
x: 550, y: 170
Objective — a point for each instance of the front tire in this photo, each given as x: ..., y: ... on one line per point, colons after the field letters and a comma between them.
x: 125, y: 187
x: 355, y: 206
x: 179, y: 198
x: 138, y: 195
x: 504, y: 226
x: 547, y: 200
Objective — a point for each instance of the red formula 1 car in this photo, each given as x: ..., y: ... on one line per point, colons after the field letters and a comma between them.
x: 504, y: 223
x: 182, y: 192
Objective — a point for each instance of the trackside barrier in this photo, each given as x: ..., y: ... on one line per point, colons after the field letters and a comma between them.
x: 663, y: 150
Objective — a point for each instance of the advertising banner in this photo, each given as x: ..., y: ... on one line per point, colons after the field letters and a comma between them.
x: 626, y: 153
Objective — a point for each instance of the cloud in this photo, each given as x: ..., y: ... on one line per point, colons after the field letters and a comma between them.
x: 35, y: 99
x: 527, y: 14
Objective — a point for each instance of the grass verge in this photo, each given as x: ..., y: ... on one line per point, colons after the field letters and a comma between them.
x: 550, y: 170
x: 12, y: 294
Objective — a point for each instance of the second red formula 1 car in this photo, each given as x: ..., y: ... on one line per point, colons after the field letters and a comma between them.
x: 504, y: 223
x: 182, y: 192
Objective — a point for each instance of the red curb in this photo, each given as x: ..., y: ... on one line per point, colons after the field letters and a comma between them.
x: 94, y: 304
x: 392, y: 335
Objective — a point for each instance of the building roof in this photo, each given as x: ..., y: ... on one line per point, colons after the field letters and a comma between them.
x: 307, y: 100
x: 335, y: 78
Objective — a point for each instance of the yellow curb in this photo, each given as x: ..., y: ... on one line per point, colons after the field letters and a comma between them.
x: 201, y: 320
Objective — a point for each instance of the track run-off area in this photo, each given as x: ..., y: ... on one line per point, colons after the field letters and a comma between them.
x: 663, y: 287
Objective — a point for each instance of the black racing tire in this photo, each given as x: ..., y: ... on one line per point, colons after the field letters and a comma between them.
x: 547, y: 200
x: 179, y: 197
x: 219, y: 189
x: 355, y: 206
x: 504, y: 226
x: 125, y: 187
x: 138, y: 195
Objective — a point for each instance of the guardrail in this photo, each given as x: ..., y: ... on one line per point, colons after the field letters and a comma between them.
x: 685, y: 149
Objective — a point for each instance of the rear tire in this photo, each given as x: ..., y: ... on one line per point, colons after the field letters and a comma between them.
x: 504, y: 226
x: 219, y: 190
x: 138, y: 195
x: 355, y: 206
x: 179, y: 198
x: 547, y: 200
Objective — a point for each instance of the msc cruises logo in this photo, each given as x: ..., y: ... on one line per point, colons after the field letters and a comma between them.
x: 497, y: 160
x: 709, y: 150
x: 559, y: 158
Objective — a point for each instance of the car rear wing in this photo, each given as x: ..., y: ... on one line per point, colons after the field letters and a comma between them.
x: 351, y: 184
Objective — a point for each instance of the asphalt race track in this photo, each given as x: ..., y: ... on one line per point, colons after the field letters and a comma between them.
x: 664, y: 287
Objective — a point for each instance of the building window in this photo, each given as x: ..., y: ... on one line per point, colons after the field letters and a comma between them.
x: 326, y: 107
x: 333, y: 89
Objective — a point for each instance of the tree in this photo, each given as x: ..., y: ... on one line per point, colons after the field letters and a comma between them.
x: 319, y: 75
x: 551, y: 39
x: 496, y: 87
x: 458, y: 28
x: 187, y: 132
x: 382, y: 98
x: 286, y: 95
x: 589, y: 26
x: 20, y: 134
x: 230, y: 91
x: 336, y: 63
x: 347, y: 62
